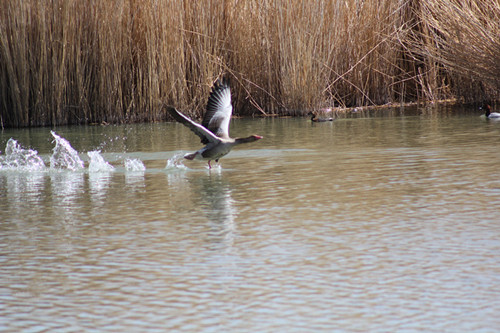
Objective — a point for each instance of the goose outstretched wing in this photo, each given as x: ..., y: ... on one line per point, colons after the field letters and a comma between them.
x: 219, y: 110
x: 205, y: 135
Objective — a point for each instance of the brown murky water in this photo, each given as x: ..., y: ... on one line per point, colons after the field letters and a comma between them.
x: 368, y: 224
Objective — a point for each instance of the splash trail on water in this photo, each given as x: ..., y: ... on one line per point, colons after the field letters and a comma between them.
x: 97, y: 162
x: 64, y: 156
x: 175, y: 162
x: 18, y: 158
x: 134, y: 165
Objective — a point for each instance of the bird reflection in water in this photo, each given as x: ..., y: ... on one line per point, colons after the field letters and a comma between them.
x: 215, y: 195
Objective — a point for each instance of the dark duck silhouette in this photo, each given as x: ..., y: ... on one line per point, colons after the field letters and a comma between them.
x: 314, y: 117
x: 488, y: 113
x: 214, y: 129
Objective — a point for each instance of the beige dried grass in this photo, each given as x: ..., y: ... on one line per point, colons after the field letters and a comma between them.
x: 121, y: 61
x: 464, y: 38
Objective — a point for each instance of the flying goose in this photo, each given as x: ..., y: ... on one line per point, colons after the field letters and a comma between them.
x: 214, y: 129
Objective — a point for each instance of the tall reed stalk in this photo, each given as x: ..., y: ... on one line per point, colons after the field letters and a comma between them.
x: 83, y: 61
x: 464, y: 38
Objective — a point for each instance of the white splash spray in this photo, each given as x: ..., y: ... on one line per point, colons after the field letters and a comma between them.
x: 175, y: 162
x: 97, y: 162
x: 64, y: 156
x: 134, y: 165
x: 17, y: 157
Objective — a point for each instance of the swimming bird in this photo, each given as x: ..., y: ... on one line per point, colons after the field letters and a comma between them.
x: 314, y: 118
x: 214, y: 129
x: 488, y: 113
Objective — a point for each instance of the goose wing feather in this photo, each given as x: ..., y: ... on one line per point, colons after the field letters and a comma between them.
x: 219, y: 110
x: 205, y: 135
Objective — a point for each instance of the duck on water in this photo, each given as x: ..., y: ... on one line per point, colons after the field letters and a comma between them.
x: 316, y: 119
x: 488, y: 113
x: 214, y: 129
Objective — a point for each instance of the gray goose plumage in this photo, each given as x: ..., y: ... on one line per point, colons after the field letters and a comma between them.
x: 214, y: 129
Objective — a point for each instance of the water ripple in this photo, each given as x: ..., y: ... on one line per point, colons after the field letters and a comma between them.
x: 316, y: 229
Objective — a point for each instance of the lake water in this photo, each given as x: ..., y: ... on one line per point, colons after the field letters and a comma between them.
x: 377, y: 222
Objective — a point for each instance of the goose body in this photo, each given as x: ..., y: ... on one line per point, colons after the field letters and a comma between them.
x: 314, y: 117
x: 489, y: 114
x: 214, y: 129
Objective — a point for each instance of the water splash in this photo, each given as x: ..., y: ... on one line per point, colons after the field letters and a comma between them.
x: 175, y: 162
x: 18, y: 158
x: 97, y: 162
x: 64, y: 156
x: 134, y: 165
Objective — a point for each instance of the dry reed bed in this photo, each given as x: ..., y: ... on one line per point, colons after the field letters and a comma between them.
x: 83, y: 61
x: 463, y: 37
